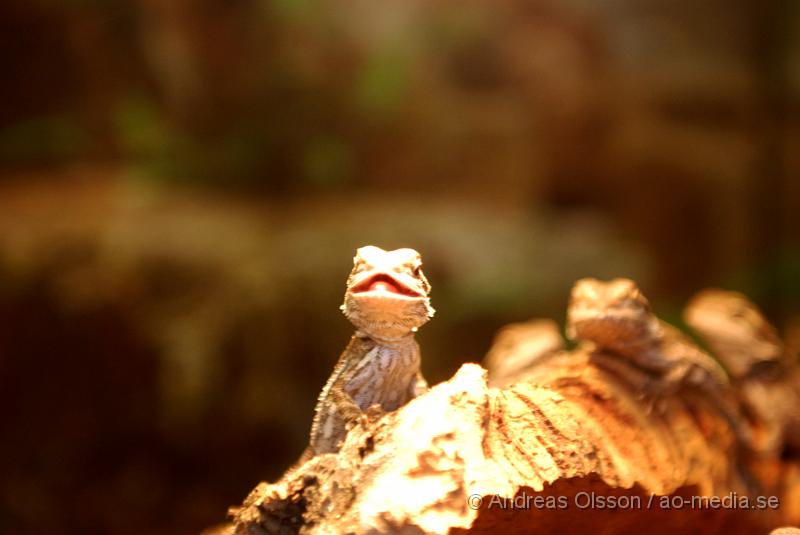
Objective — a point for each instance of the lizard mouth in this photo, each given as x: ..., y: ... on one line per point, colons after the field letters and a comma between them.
x: 385, y: 284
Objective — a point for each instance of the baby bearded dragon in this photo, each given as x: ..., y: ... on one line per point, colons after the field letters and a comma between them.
x: 616, y: 317
x: 735, y: 330
x: 387, y: 300
x: 739, y: 334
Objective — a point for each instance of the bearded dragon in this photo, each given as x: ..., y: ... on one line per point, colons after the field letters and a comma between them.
x: 735, y: 330
x: 387, y: 301
x: 615, y: 316
x: 742, y: 337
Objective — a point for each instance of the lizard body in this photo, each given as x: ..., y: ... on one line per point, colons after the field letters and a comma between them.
x: 744, y: 340
x: 386, y: 300
x: 616, y: 317
x: 735, y: 330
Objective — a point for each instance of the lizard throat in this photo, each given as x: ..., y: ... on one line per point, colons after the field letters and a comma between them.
x: 386, y: 316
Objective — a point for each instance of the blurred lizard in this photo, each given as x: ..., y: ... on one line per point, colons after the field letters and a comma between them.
x: 736, y: 331
x: 764, y: 374
x: 519, y: 347
x: 387, y: 300
x: 616, y: 317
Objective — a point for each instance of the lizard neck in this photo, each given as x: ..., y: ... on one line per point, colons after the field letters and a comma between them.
x: 395, y: 342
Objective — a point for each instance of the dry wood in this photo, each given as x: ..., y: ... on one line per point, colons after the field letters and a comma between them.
x: 573, y: 426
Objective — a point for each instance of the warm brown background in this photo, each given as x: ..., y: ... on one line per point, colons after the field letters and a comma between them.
x: 183, y: 184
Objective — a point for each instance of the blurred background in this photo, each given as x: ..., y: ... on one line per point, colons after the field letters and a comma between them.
x: 183, y: 185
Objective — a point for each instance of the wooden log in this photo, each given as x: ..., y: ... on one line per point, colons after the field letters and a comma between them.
x: 569, y: 445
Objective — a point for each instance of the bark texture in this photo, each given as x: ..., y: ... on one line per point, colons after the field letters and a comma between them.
x: 572, y: 438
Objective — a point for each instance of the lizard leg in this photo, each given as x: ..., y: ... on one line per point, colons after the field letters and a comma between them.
x: 671, y: 382
x: 346, y: 407
x: 418, y: 386
x: 689, y: 375
x: 333, y: 422
x: 664, y: 386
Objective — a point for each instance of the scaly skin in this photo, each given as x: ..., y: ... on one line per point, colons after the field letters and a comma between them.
x: 616, y: 318
x: 386, y: 300
x: 735, y: 330
x: 744, y: 340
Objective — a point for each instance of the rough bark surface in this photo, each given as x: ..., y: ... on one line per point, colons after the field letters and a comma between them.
x: 569, y: 429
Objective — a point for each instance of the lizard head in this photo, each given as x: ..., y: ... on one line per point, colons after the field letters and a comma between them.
x: 387, y: 293
x: 611, y: 314
x: 735, y: 329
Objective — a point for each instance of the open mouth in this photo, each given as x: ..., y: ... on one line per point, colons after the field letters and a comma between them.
x: 382, y: 282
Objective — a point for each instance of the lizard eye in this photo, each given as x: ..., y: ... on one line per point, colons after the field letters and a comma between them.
x: 417, y: 270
